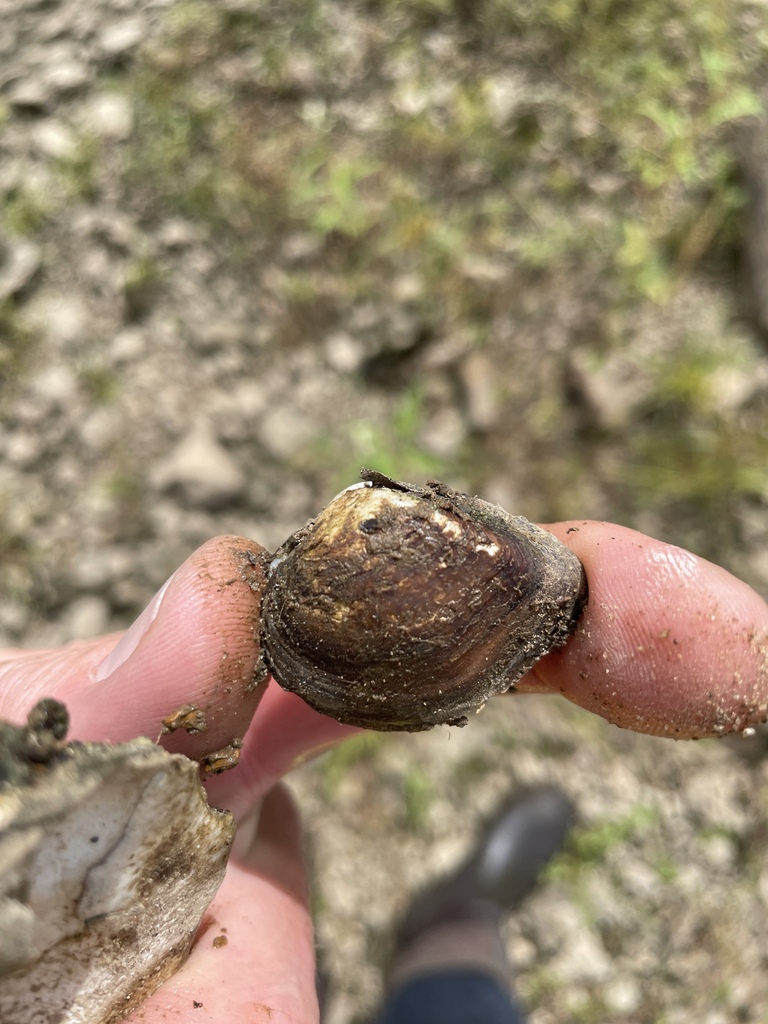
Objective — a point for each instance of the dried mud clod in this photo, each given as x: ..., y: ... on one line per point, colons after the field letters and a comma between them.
x: 188, y: 717
x: 100, y: 894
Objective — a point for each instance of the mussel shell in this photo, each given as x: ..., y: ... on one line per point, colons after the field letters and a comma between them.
x: 402, y: 607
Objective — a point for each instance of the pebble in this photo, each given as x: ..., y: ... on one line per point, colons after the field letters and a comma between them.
x: 127, y: 345
x: 54, y: 387
x: 623, y: 995
x: 66, y: 77
x: 481, y: 390
x: 201, y: 470
x: 32, y: 93
x: 61, y: 318
x: 21, y: 263
x: 55, y: 139
x: 118, y: 39
x: 284, y: 431
x: 110, y: 116
x: 343, y: 352
x: 581, y: 956
x: 443, y: 433
x: 86, y: 617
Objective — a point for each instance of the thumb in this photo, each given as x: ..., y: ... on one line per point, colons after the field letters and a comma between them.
x: 195, y: 643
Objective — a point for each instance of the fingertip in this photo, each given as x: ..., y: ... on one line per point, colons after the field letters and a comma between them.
x: 668, y: 644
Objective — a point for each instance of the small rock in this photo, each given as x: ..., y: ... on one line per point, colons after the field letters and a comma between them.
x: 583, y: 959
x: 503, y: 94
x: 110, y: 116
x: 202, y: 470
x: 14, y: 618
x: 622, y: 995
x: 23, y: 449
x: 122, y: 37
x: 55, y: 139
x: 99, y: 430
x: 408, y: 288
x: 444, y: 433
x: 54, y: 387
x: 640, y: 880
x: 481, y: 396
x: 581, y: 956
x: 31, y: 94
x: 102, y: 567
x: 344, y: 354
x: 720, y: 851
x: 177, y: 233
x: 61, y: 318
x: 612, y: 389
x: 127, y: 345
x: 66, y: 77
x: 86, y: 617
x: 284, y: 432
x: 300, y: 247
x: 21, y: 263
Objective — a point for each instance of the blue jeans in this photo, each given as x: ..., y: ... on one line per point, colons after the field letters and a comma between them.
x: 451, y: 997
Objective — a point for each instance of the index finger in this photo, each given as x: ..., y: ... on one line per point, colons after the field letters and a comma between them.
x: 669, y: 644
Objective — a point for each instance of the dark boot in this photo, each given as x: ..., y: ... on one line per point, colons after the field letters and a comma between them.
x: 503, y: 868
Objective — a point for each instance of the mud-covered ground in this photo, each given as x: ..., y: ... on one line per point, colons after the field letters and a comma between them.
x: 248, y: 247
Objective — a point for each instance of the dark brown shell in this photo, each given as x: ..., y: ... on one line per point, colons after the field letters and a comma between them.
x: 403, y: 607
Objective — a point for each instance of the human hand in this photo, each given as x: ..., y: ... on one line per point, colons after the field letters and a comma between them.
x: 669, y: 644
x: 194, y: 644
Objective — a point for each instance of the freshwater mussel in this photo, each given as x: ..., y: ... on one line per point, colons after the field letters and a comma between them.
x: 403, y: 607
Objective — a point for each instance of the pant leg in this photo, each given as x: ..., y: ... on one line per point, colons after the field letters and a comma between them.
x: 465, y: 996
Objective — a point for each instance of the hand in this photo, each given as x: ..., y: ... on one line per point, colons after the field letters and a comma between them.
x: 194, y: 644
x: 669, y: 644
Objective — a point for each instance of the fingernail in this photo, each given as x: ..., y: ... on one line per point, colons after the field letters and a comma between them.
x: 132, y: 638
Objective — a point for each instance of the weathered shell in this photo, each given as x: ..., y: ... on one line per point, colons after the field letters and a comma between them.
x: 403, y: 607
x: 109, y: 856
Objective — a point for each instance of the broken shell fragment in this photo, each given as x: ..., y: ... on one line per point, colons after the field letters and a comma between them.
x: 109, y: 857
x: 403, y: 607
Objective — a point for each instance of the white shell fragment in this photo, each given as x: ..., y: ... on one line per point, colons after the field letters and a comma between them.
x: 109, y: 857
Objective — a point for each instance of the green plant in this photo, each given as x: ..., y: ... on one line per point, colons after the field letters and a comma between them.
x: 418, y: 796
x: 348, y: 756
x: 590, y: 846
x: 394, y: 448
x: 24, y: 211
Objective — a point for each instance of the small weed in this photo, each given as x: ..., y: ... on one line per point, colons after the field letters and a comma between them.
x: 100, y: 384
x: 347, y: 756
x: 394, y: 450
x: 590, y: 846
x: 24, y: 212
x: 418, y: 795
x: 79, y: 174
